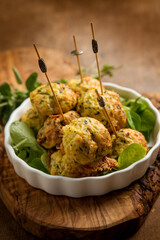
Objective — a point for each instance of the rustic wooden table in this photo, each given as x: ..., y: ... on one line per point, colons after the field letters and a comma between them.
x: 128, y: 34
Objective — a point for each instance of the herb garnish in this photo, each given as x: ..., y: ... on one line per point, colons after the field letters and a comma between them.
x: 26, y: 147
x: 131, y: 154
x: 139, y: 116
x: 106, y: 70
x: 10, y: 99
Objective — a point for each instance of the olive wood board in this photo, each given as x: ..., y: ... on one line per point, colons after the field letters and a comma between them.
x: 115, y: 215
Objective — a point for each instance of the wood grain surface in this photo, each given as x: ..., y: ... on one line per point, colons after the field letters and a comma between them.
x: 115, y: 215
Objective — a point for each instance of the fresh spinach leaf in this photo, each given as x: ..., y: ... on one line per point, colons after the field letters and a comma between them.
x: 131, y: 154
x: 44, y: 159
x: 21, y: 133
x: 147, y: 120
x: 37, y: 163
x: 22, y: 154
x: 147, y: 134
x: 139, y: 115
x: 133, y: 119
x: 26, y: 147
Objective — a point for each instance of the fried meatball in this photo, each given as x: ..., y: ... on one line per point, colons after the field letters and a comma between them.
x: 50, y: 134
x: 85, y: 140
x: 88, y: 83
x: 126, y: 137
x: 60, y: 165
x: 43, y: 100
x: 32, y: 119
x: 88, y: 107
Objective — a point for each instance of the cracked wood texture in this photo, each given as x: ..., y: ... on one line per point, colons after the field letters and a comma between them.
x: 113, y: 216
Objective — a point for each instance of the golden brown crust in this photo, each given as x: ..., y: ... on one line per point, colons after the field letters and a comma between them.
x: 85, y: 140
x: 88, y: 83
x: 60, y: 167
x: 50, y: 135
x: 43, y: 101
x: 32, y: 119
x: 88, y: 107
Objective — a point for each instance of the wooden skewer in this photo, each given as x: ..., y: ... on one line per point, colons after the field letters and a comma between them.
x: 43, y: 68
x: 102, y: 104
x: 95, y: 50
x: 78, y: 61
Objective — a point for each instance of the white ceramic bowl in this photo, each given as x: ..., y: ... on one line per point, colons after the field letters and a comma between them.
x: 86, y: 186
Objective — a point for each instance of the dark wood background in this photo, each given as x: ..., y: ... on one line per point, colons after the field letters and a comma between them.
x: 128, y: 34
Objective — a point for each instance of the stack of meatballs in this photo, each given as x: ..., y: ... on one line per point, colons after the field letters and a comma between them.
x: 82, y: 144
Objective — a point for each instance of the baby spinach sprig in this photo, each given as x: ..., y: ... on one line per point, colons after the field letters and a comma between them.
x: 106, y: 70
x: 11, y: 98
x: 139, y: 116
x: 130, y: 155
x: 26, y: 147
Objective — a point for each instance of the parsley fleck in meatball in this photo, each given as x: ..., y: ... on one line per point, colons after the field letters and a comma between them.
x: 126, y: 137
x: 50, y: 134
x: 88, y: 107
x: 43, y: 100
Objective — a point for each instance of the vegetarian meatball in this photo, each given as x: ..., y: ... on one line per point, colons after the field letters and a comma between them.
x: 88, y: 83
x: 85, y: 143
x: 88, y: 106
x: 85, y: 140
x: 126, y: 137
x: 62, y: 166
x: 50, y: 134
x: 43, y: 100
x: 32, y: 119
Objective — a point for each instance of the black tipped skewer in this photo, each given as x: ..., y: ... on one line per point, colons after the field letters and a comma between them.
x: 43, y: 68
x: 95, y: 50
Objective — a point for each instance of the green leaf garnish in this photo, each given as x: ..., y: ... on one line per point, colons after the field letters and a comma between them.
x: 61, y: 81
x: 5, y: 90
x: 36, y: 163
x: 134, y: 120
x: 31, y: 82
x: 11, y: 99
x: 17, y: 75
x: 83, y: 70
x: 26, y: 147
x: 147, y: 120
x: 19, y: 132
x: 106, y: 70
x: 139, y: 115
x: 131, y: 154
